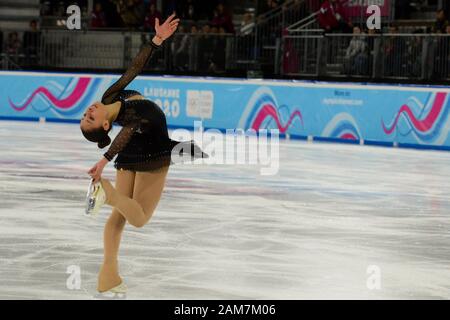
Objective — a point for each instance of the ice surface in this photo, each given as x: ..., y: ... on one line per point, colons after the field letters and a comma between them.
x: 226, y: 232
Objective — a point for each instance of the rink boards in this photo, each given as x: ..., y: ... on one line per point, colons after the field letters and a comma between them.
x: 406, y: 116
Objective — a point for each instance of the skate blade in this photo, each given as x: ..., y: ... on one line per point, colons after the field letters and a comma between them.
x: 117, y: 293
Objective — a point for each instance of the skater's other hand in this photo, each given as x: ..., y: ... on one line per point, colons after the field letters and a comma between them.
x: 96, y: 171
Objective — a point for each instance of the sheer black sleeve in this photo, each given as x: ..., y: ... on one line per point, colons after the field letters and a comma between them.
x: 120, y: 141
x: 136, y: 67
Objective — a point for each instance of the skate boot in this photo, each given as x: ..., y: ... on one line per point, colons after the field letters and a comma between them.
x: 118, y: 292
x: 95, y: 198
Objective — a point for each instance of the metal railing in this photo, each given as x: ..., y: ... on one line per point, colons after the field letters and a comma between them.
x: 310, y: 23
x: 387, y: 56
x: 209, y: 54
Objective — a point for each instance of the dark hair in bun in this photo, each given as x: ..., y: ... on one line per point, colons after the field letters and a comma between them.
x: 98, y: 135
x: 105, y: 142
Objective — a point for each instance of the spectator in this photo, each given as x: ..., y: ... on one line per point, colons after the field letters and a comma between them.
x: 13, y: 44
x: 402, y: 9
x: 393, y: 52
x: 98, y: 19
x: 247, y: 24
x: 152, y: 15
x: 447, y: 51
x: 414, y: 53
x: 356, y: 55
x: 194, y: 29
x: 189, y: 11
x: 441, y: 22
x: 131, y: 12
x: 332, y: 17
x: 180, y: 49
x: 31, y: 42
x: 264, y: 7
x: 222, y: 18
x: 205, y: 45
x: 1, y: 41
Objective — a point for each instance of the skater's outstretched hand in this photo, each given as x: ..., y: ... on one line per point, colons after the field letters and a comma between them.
x: 166, y: 29
x: 96, y: 171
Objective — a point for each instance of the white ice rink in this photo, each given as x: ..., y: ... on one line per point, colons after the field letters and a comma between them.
x: 226, y: 232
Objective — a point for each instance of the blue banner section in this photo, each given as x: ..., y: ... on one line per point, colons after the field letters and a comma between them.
x: 378, y: 114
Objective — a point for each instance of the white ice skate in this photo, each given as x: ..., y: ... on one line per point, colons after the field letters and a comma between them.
x: 118, y: 292
x: 95, y: 198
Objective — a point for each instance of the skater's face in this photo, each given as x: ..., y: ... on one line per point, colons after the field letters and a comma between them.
x: 95, y: 117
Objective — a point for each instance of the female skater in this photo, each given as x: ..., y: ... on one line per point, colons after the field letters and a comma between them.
x: 143, y: 150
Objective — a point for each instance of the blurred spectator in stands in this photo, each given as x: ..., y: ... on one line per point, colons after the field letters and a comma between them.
x: 205, y: 46
x: 447, y: 52
x: 332, y: 17
x: 1, y: 41
x: 31, y: 42
x: 189, y: 10
x: 153, y: 13
x: 206, y: 29
x: 441, y: 22
x: 402, y: 9
x: 414, y: 53
x: 46, y: 8
x: 180, y: 49
x: 60, y: 9
x: 223, y: 18
x: 356, y: 55
x: 171, y: 6
x: 291, y: 56
x: 13, y: 43
x: 131, y: 11
x: 266, y: 6
x: 440, y: 49
x: 247, y: 24
x: 394, y: 49
x: 194, y: 29
x: 98, y: 18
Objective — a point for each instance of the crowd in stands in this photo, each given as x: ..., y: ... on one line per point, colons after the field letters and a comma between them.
x: 215, y: 17
x: 141, y: 14
x: 26, y: 46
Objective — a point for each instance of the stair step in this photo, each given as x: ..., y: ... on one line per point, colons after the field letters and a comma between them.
x: 14, y: 25
x: 18, y: 12
x: 19, y: 4
x: 24, y: 18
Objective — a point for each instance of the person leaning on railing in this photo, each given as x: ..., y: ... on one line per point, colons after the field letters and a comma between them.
x: 332, y: 17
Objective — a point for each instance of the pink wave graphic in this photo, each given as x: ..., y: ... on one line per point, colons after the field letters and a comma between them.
x: 65, y: 103
x: 421, y: 125
x: 269, y: 111
x: 348, y: 136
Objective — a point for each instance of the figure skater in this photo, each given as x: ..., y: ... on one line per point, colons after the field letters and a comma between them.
x: 143, y: 150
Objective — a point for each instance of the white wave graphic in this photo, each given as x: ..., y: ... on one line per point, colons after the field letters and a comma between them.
x: 343, y: 116
x: 252, y: 102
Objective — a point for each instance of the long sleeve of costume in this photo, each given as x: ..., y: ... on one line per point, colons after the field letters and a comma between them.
x: 137, y: 65
x: 121, y: 140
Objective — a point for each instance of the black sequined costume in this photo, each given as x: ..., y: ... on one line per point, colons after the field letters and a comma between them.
x: 143, y: 143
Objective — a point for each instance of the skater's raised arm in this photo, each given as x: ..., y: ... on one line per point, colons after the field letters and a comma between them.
x: 163, y: 32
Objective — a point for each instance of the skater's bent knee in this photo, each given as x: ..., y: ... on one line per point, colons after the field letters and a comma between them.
x: 138, y: 224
